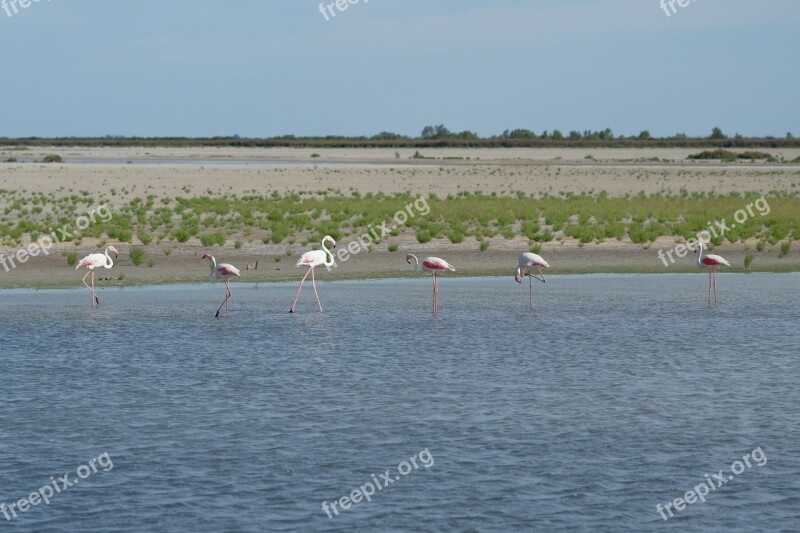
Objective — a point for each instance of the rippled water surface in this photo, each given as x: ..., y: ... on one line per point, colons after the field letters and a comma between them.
x: 615, y: 394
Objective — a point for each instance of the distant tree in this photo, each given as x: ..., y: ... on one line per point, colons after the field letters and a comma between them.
x: 738, y: 136
x: 606, y: 134
x: 716, y: 133
x: 789, y: 136
x: 680, y: 136
x: 468, y: 135
x: 520, y: 133
x: 388, y: 136
x: 557, y: 135
x: 645, y: 135
x: 427, y: 132
x: 574, y: 135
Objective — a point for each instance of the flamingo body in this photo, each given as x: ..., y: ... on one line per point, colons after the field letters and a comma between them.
x: 712, y: 262
x: 93, y: 261
x: 224, y: 272
x: 433, y: 265
x: 527, y: 262
x: 313, y: 259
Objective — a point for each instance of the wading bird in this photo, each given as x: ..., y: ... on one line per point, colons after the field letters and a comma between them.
x: 222, y: 271
x: 527, y: 262
x: 433, y: 265
x: 93, y: 261
x: 313, y: 259
x: 712, y: 262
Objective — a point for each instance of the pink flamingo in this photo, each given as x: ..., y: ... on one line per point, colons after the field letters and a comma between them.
x: 222, y: 271
x: 712, y: 262
x: 93, y: 261
x: 313, y: 259
x: 528, y: 261
x: 433, y: 265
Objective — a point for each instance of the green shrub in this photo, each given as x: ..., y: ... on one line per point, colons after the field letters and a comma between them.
x: 72, y: 258
x: 137, y: 255
x: 210, y: 239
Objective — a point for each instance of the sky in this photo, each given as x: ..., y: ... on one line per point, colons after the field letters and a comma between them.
x: 263, y: 68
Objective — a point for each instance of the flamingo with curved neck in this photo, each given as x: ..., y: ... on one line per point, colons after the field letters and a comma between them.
x: 222, y: 271
x: 433, y: 265
x: 527, y: 262
x: 93, y: 261
x: 313, y: 259
x: 712, y: 262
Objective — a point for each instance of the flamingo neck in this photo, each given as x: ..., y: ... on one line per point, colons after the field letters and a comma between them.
x: 327, y: 253
x: 700, y: 255
x: 109, y: 261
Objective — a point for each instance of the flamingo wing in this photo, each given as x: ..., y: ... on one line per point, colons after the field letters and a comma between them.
x: 311, y: 259
x: 435, y: 263
x: 226, y: 269
x: 530, y: 259
x: 92, y: 261
x: 715, y: 260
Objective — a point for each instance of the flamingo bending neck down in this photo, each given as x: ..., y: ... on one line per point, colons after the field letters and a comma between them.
x: 712, y: 262
x: 527, y: 262
x: 222, y: 271
x: 433, y: 265
x: 93, y: 261
x: 313, y: 259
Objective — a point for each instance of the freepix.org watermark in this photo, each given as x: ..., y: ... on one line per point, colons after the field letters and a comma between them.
x: 340, y: 5
x: 712, y: 483
x: 365, y: 491
x: 364, y: 241
x: 10, y: 6
x: 57, y: 485
x: 65, y: 233
x: 717, y: 229
x: 668, y: 5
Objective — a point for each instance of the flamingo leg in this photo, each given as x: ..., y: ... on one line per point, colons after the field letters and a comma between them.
x: 225, y: 301
x: 435, y: 294
x: 298, y: 290
x: 542, y: 279
x: 709, y: 286
x: 714, y: 277
x: 530, y: 292
x: 91, y: 289
x: 314, y: 284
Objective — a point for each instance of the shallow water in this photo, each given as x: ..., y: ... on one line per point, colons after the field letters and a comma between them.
x: 614, y: 394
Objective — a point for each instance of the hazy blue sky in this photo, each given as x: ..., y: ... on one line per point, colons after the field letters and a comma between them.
x: 274, y: 67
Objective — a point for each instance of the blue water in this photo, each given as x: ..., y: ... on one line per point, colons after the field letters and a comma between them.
x: 616, y: 393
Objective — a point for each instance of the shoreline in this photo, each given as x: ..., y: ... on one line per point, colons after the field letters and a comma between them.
x: 186, y: 266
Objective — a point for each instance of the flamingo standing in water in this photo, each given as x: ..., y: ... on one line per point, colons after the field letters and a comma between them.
x: 93, y: 261
x: 433, y: 265
x: 527, y: 262
x: 313, y: 259
x: 712, y: 262
x: 222, y: 271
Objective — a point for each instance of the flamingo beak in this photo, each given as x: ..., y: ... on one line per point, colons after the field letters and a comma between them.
x: 517, y: 279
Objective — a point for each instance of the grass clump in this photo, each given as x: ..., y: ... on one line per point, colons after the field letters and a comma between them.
x: 137, y: 255
x: 211, y: 239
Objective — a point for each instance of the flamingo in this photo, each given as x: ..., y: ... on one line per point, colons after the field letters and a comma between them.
x: 93, y: 261
x: 313, y: 259
x: 528, y: 261
x: 712, y: 262
x: 433, y: 265
x: 222, y: 271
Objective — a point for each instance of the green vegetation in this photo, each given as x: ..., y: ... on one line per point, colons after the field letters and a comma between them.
x: 726, y: 155
x: 430, y: 136
x: 137, y: 255
x: 72, y: 258
x: 52, y: 158
x: 306, y: 217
